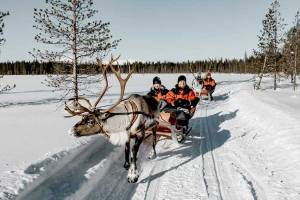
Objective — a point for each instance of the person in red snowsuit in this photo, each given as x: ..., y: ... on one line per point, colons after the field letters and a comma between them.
x: 209, y: 84
x: 182, y: 95
x: 158, y: 91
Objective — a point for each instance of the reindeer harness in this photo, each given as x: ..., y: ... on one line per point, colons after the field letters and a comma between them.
x: 134, y: 112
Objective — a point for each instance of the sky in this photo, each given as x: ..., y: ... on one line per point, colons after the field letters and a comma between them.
x: 159, y: 30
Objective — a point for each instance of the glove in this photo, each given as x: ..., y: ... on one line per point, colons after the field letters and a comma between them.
x: 182, y: 103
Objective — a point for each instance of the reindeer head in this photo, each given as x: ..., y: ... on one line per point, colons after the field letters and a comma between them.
x: 88, y: 125
x: 93, y: 119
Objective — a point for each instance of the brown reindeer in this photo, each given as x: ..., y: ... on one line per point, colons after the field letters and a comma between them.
x: 125, y: 120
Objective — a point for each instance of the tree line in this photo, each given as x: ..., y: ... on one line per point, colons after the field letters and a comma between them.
x: 248, y: 65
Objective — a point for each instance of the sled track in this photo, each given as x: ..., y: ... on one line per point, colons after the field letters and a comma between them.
x: 151, y: 189
x: 209, y: 164
x: 67, y: 178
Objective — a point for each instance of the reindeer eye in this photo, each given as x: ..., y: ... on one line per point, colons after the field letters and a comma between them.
x: 90, y: 121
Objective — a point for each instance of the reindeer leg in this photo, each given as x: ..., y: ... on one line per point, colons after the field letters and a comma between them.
x: 152, y: 154
x: 127, y: 155
x: 133, y: 173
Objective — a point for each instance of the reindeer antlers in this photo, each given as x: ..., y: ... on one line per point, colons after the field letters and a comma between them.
x: 104, y: 73
x: 122, y: 82
x: 80, y: 109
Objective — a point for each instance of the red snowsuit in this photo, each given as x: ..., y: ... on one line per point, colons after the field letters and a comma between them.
x: 210, y: 82
x: 180, y: 93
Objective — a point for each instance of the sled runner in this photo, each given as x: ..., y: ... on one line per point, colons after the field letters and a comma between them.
x: 204, y: 94
x: 203, y: 88
x: 173, y: 124
x: 200, y: 91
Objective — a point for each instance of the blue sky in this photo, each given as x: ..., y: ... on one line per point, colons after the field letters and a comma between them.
x: 152, y: 30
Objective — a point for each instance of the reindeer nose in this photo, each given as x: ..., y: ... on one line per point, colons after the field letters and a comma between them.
x: 73, y: 131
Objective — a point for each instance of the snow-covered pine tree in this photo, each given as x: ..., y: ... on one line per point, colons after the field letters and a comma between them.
x: 270, y: 39
x: 3, y: 88
x: 68, y: 31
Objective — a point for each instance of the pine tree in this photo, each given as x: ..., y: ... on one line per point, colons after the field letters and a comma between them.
x: 4, y: 88
x: 67, y: 28
x: 2, y: 15
x: 270, y: 39
x: 291, y: 50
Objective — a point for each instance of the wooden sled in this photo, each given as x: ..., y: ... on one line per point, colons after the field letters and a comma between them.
x: 203, y: 95
x: 164, y: 128
x: 166, y: 123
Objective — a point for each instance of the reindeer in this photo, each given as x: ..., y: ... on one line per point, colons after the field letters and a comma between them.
x: 126, y: 119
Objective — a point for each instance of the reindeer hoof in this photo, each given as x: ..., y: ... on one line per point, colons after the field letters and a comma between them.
x: 132, y: 180
x: 180, y: 138
x: 126, y: 165
x: 133, y: 175
x: 77, y: 135
x: 152, y: 155
x: 73, y: 132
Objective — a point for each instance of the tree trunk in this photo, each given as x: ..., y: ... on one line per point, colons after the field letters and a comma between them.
x: 261, y: 74
x: 275, y: 79
x: 295, y: 69
x: 74, y: 51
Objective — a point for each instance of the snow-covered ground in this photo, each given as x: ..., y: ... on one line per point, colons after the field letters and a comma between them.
x: 244, y: 145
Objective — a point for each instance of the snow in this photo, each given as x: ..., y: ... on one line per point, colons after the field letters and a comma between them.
x: 243, y: 145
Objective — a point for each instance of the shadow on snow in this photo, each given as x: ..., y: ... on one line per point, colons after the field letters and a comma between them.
x: 190, y: 149
x: 66, y: 178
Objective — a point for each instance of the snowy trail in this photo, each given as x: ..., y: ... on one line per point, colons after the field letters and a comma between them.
x: 210, y: 173
x: 188, y: 171
x: 68, y: 175
x: 235, y: 151
x: 164, y: 177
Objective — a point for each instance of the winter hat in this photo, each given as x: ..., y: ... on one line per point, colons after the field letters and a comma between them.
x: 198, y: 77
x: 156, y: 80
x: 181, y: 78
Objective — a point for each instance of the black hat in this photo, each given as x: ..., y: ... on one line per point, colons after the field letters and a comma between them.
x: 198, y: 77
x: 181, y: 78
x: 156, y: 80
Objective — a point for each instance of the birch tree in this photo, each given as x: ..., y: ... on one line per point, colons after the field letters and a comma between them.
x: 291, y: 50
x: 270, y: 39
x: 69, y: 31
